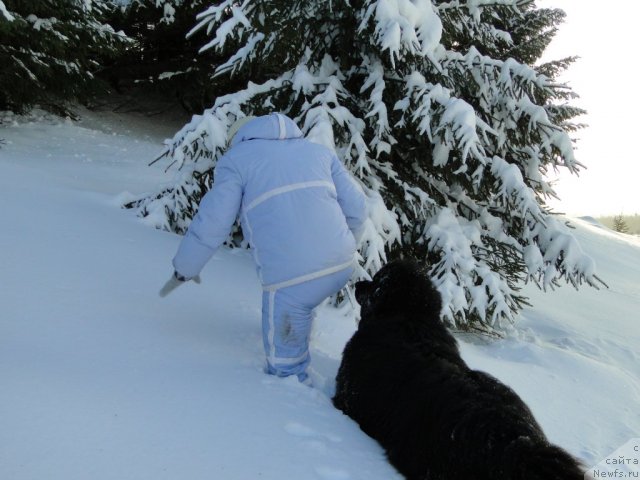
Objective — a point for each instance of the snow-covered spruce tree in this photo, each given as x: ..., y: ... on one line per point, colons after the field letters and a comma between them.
x: 438, y: 110
x: 50, y: 50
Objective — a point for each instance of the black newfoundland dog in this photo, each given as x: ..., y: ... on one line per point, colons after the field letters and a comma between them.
x: 403, y: 381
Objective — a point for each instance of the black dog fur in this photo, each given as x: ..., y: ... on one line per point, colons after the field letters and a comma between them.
x: 403, y: 381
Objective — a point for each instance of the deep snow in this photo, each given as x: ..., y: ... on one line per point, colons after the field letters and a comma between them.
x: 101, y: 378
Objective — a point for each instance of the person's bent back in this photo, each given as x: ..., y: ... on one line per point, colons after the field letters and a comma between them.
x: 300, y: 209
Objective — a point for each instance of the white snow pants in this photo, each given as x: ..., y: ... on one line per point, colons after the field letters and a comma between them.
x: 287, y: 315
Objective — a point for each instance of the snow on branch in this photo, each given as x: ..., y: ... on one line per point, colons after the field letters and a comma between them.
x: 508, y: 90
x: 382, y: 139
x: 475, y: 6
x: 464, y: 283
x: 471, y: 5
x: 237, y: 60
x: 5, y: 13
x: 514, y: 191
x: 557, y: 254
x: 381, y: 232
x: 509, y: 74
x: 229, y: 28
x: 444, y: 118
x: 207, y: 133
x: 558, y: 139
x: 404, y: 26
x: 323, y: 108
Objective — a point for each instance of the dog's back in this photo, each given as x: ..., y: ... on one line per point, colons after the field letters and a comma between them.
x: 403, y: 381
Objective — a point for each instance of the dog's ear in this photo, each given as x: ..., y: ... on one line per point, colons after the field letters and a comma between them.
x: 363, y: 289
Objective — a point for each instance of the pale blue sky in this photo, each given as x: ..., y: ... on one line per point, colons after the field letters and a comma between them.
x: 606, y: 36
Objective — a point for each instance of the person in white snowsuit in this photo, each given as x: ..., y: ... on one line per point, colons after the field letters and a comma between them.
x: 303, y: 215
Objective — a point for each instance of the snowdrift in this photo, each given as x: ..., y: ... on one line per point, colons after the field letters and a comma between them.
x: 102, y: 379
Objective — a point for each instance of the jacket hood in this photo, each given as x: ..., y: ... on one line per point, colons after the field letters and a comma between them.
x: 275, y: 126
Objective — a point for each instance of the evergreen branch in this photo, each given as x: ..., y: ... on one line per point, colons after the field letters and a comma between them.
x: 457, y: 4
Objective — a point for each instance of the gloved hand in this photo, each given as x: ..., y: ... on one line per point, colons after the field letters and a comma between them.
x: 174, y: 282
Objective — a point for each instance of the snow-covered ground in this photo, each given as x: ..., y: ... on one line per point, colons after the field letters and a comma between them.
x: 102, y: 379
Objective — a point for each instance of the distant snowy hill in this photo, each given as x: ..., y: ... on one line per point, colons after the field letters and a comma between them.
x: 102, y: 379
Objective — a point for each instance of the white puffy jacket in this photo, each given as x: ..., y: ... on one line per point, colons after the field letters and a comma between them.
x: 299, y: 207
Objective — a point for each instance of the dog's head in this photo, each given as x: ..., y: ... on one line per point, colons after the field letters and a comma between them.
x: 399, y: 285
